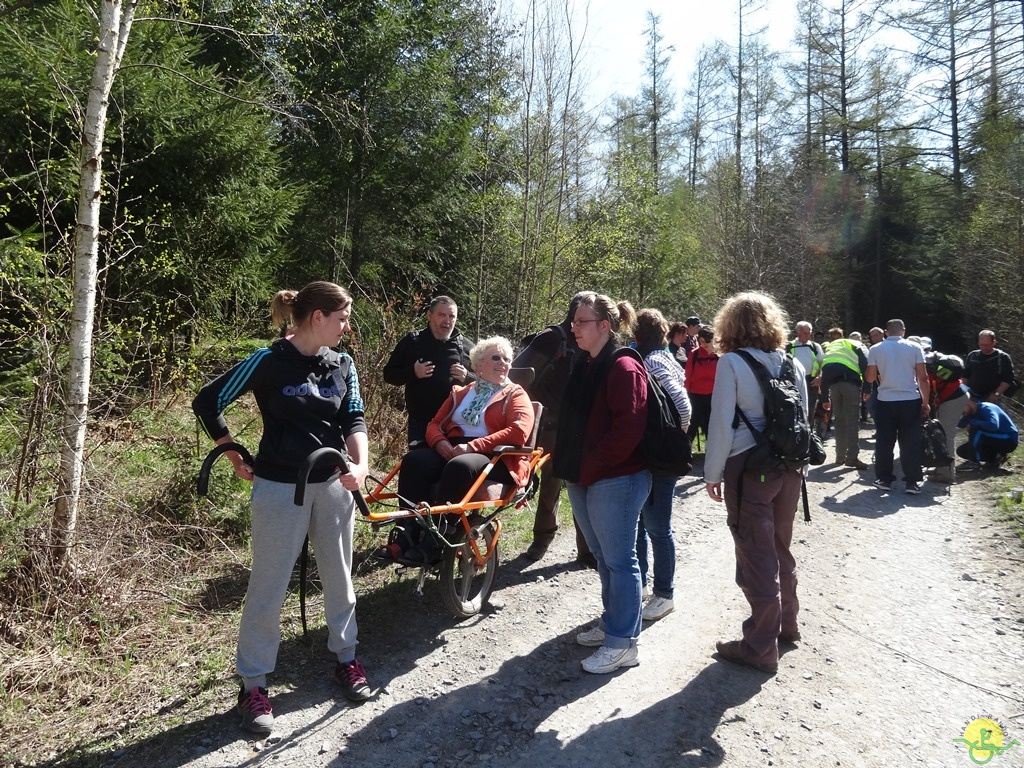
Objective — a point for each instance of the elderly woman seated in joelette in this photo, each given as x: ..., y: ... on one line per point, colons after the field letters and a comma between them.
x: 472, y: 421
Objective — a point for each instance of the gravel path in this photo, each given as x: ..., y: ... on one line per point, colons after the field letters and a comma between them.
x: 912, y: 618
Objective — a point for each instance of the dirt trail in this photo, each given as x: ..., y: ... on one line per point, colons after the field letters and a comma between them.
x: 912, y: 617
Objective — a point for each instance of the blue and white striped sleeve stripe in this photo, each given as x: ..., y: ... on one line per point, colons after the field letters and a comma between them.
x: 239, y: 378
x: 354, y: 403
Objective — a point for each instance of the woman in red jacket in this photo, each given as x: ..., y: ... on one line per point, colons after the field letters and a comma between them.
x: 472, y: 421
x: 603, y: 417
x: 700, y: 381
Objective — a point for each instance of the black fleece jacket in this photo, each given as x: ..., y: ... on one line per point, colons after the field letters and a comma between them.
x: 307, y: 402
x: 424, y: 396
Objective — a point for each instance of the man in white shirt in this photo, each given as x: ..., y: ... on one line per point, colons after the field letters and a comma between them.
x: 903, y: 395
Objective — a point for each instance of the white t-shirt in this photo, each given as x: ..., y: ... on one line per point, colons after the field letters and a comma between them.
x: 896, y: 360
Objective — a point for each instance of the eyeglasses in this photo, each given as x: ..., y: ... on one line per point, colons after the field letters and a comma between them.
x: 578, y: 323
x: 500, y: 359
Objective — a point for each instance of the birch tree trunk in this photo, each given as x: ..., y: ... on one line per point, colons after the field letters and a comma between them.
x: 115, y: 23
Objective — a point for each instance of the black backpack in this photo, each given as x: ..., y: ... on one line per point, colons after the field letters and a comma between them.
x: 787, y: 441
x: 934, y: 451
x: 664, y: 448
x: 1014, y: 385
x: 549, y: 366
x: 945, y: 367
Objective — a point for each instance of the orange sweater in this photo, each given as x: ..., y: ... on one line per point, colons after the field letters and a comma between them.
x: 508, y: 418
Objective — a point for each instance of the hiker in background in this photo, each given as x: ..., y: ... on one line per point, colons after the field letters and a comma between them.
x: 865, y: 388
x: 760, y: 507
x: 550, y: 353
x: 810, y: 354
x: 308, y: 396
x: 428, y: 363
x: 903, y: 397
x: 842, y: 371
x: 876, y: 335
x: 656, y: 516
x: 991, y: 434
x: 676, y: 339
x: 947, y: 393
x: 604, y: 415
x: 700, y: 381
x: 988, y: 372
x: 690, y: 342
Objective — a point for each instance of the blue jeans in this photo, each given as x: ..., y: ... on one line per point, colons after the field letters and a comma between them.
x: 898, y: 421
x: 608, y: 513
x: 656, y: 522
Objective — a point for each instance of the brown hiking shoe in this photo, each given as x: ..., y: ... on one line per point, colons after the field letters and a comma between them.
x: 732, y: 651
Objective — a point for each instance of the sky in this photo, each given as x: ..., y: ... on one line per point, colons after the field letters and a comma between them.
x: 615, y: 33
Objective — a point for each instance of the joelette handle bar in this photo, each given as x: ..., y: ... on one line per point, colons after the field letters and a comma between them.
x: 204, y: 473
x: 320, y: 456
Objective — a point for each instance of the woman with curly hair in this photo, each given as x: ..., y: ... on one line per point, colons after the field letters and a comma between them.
x: 760, y: 506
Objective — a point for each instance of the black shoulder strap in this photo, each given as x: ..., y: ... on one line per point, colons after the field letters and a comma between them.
x: 999, y: 361
x: 788, y: 370
x: 628, y: 352
x: 759, y: 369
x: 763, y: 377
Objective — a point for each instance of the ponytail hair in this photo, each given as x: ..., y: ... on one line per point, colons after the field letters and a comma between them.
x: 289, y: 309
x: 620, y: 316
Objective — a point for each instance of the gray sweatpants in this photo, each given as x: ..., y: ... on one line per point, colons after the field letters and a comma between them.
x: 278, y: 530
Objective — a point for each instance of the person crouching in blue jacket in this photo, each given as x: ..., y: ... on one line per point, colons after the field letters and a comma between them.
x: 991, y: 434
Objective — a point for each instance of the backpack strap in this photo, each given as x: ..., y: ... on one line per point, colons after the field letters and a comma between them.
x: 763, y: 377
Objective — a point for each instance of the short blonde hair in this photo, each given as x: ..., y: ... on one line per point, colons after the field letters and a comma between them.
x: 751, y: 320
x: 500, y: 343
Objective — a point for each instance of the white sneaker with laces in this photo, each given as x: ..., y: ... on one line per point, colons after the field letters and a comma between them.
x: 591, y: 638
x: 606, y: 659
x: 657, y: 607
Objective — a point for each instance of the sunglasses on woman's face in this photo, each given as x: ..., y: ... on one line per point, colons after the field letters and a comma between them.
x: 500, y: 359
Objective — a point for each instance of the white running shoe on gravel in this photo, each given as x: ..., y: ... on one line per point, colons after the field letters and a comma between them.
x: 591, y: 638
x: 606, y: 659
x: 658, y: 607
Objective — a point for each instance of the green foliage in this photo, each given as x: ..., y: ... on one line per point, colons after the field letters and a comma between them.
x: 16, y: 518
x: 195, y: 203
x: 400, y: 93
x: 994, y: 234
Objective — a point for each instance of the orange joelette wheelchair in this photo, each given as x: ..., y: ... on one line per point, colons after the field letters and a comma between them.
x: 465, y: 533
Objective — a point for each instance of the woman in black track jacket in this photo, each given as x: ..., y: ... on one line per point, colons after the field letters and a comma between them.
x: 308, y: 396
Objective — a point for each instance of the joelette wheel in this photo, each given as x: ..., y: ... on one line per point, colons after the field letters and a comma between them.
x: 466, y: 584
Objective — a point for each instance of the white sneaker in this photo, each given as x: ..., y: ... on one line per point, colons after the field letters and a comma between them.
x: 646, y: 593
x: 606, y: 659
x: 657, y: 607
x: 591, y: 638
